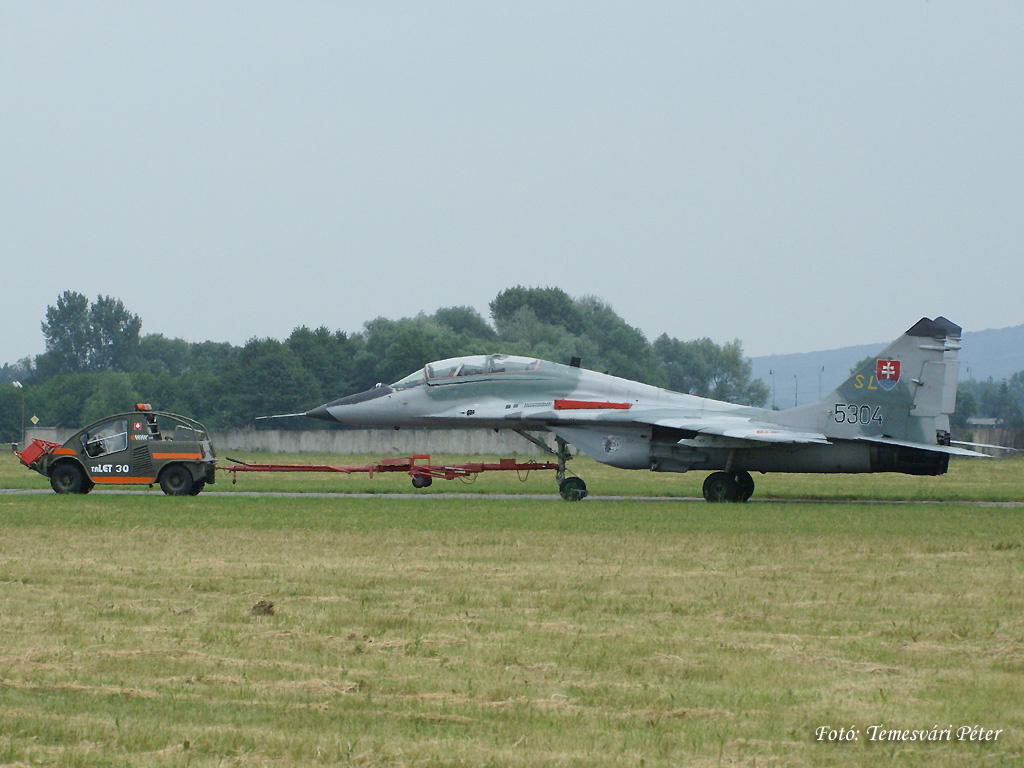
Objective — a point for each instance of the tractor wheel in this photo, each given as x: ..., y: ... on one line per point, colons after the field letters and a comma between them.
x: 176, y: 481
x: 421, y: 481
x: 68, y: 478
x: 572, y: 489
x: 197, y: 488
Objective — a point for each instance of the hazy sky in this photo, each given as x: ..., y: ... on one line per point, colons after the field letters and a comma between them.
x: 796, y: 175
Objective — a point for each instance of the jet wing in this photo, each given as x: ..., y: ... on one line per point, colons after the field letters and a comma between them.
x: 734, y: 427
x: 739, y: 428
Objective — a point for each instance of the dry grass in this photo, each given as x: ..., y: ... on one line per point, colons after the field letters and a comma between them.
x: 435, y: 632
x: 487, y: 632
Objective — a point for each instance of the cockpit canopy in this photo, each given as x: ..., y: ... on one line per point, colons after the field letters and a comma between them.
x: 471, y: 368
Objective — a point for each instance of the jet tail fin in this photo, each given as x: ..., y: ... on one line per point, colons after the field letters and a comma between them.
x: 905, y: 393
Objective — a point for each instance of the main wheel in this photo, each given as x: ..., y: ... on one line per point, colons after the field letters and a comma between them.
x: 572, y: 489
x: 197, y: 488
x: 744, y: 486
x: 421, y: 481
x: 176, y: 481
x: 68, y: 478
x: 720, y: 486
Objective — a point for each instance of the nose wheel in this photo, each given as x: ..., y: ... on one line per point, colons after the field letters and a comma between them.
x: 570, y: 488
x: 725, y: 486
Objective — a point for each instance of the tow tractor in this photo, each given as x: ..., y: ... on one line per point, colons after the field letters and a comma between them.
x: 142, y: 447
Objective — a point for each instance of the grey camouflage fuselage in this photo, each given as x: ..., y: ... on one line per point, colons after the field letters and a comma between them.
x: 891, y: 415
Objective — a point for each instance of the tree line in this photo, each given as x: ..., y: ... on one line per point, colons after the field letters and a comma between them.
x: 98, y: 362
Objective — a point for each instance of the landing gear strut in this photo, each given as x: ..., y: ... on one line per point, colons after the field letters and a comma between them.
x: 727, y: 486
x: 570, y: 488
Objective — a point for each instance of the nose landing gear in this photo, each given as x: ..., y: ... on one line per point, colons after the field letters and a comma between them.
x: 569, y: 488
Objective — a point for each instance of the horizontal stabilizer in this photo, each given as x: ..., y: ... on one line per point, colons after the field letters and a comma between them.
x: 986, y: 445
x: 952, y: 450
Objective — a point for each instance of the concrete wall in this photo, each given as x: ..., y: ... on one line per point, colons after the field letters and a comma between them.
x: 373, y: 442
x: 378, y: 442
x: 454, y: 442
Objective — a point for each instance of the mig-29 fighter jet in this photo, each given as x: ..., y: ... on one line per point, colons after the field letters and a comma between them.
x: 891, y: 415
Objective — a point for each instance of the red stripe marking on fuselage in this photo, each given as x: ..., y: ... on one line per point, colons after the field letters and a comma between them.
x: 588, y: 405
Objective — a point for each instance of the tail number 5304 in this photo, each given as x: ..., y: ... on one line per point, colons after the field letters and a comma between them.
x: 852, y: 413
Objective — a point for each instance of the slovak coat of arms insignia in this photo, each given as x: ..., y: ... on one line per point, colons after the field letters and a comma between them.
x: 887, y: 373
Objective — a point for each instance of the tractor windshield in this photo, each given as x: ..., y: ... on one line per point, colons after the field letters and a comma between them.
x: 106, y: 438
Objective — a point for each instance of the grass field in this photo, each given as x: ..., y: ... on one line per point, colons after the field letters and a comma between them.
x: 428, y: 631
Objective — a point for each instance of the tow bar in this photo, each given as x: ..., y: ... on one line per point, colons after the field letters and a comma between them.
x: 418, y: 467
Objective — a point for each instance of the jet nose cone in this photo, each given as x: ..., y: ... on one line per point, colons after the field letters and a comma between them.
x: 324, y: 411
x: 320, y: 412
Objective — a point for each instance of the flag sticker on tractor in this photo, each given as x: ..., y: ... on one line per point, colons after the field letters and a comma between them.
x: 887, y: 373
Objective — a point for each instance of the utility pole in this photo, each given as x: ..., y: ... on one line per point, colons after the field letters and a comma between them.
x: 18, y: 385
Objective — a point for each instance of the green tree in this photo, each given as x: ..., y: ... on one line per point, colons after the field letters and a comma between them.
x: 265, y: 379
x: 158, y: 353
x: 81, y: 337
x: 330, y: 357
x: 1015, y: 384
x: 10, y: 412
x: 60, y: 400
x: 114, y: 335
x: 622, y: 349
x: 112, y: 392
x: 998, y: 401
x: 552, y: 306
x: 701, y: 367
x: 966, y: 405
x: 22, y: 371
x: 466, y: 322
x: 396, y: 348
x: 67, y: 334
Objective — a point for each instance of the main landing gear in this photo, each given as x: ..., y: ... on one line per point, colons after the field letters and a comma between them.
x: 728, y: 486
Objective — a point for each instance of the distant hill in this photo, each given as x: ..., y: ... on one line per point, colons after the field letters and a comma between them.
x: 996, y: 354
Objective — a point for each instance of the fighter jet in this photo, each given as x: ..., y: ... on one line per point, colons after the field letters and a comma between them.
x: 891, y: 415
